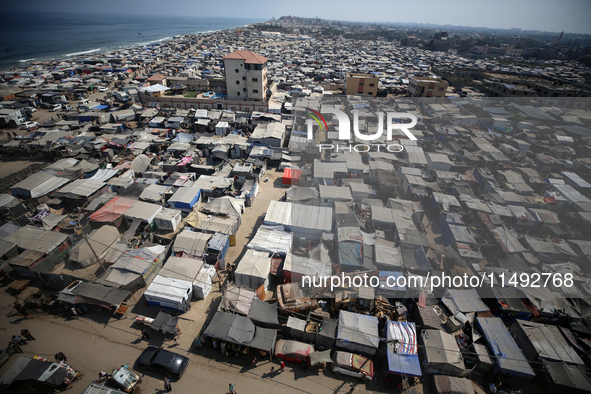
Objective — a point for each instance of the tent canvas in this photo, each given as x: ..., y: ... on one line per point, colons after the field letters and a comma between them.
x: 112, y: 211
x: 271, y: 241
x: 100, y: 240
x: 253, y: 270
x: 357, y: 333
x: 442, y: 354
x: 170, y: 293
x: 191, y: 242
x: 401, y: 349
x: 143, y: 210
x: 240, y: 330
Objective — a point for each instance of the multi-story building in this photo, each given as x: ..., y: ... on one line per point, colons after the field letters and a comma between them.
x: 246, y: 76
x: 426, y: 87
x: 362, y: 84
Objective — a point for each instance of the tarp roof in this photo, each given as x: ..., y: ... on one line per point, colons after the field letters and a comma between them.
x: 191, y: 242
x: 143, y: 210
x: 464, y: 301
x: 181, y: 268
x: 79, y: 188
x: 100, y: 240
x: 34, y: 238
x: 503, y: 347
x: 402, y: 353
x: 253, y: 269
x: 223, y: 205
x: 37, y: 185
x: 240, y: 330
x: 26, y: 369
x: 263, y: 313
x: 272, y: 241
x: 442, y: 354
x: 358, y: 332
x: 112, y: 210
x: 237, y: 299
x: 104, y: 294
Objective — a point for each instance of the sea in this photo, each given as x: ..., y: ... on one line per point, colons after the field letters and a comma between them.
x: 34, y: 36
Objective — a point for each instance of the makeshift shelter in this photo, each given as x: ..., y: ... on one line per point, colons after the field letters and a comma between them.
x: 165, y: 323
x: 140, y: 163
x: 263, y: 314
x: 304, y: 221
x: 291, y: 176
x: 451, y: 385
x: 295, y: 267
x: 143, y: 211
x: 464, y: 301
x: 135, y: 268
x: 154, y: 193
x: 170, y: 293
x: 37, y: 185
x: 80, y: 188
x: 186, y: 269
x: 185, y: 198
x: 237, y: 299
x: 95, y: 294
x: 509, y: 357
x: 271, y: 241
x: 224, y: 206
x: 357, y: 333
x: 442, y: 354
x: 37, y: 239
x: 112, y: 211
x: 253, y: 270
x: 49, y: 373
x: 99, y: 240
x: 401, y: 349
x: 190, y: 242
x: 216, y: 249
x: 240, y: 330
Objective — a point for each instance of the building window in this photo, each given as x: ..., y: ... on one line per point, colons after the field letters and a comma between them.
x: 244, y: 78
x: 371, y: 85
x: 237, y: 70
x: 255, y: 91
x: 244, y: 89
x: 237, y: 93
x: 237, y: 82
x: 255, y: 80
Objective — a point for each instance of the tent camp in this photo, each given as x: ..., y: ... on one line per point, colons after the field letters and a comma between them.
x: 80, y: 292
x: 135, y: 268
x: 79, y: 188
x: 401, y: 349
x: 143, y: 211
x: 25, y: 369
x: 154, y: 193
x: 170, y: 293
x: 295, y: 267
x: 357, y: 333
x: 509, y: 357
x: 237, y: 299
x: 240, y: 330
x: 99, y: 240
x: 37, y: 185
x: 305, y: 221
x: 253, y: 270
x: 442, y: 354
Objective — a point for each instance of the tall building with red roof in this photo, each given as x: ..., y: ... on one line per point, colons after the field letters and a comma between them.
x: 246, y: 76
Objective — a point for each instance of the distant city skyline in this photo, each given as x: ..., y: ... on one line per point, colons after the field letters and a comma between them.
x: 571, y: 16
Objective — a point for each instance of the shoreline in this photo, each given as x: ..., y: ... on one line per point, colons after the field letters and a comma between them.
x: 81, y: 54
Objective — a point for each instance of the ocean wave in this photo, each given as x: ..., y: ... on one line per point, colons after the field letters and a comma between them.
x: 141, y: 44
x: 82, y: 53
x: 26, y: 60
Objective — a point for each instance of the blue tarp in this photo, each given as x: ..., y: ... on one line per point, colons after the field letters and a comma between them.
x: 219, y: 242
x: 403, y: 358
x: 101, y: 106
x: 509, y: 357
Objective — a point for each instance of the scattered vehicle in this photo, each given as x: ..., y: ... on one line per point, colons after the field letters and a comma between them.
x: 353, y: 365
x: 83, y: 102
x: 294, y: 351
x: 55, y: 107
x: 163, y: 361
x: 67, y: 107
x: 29, y: 125
x: 126, y: 378
x: 103, y: 88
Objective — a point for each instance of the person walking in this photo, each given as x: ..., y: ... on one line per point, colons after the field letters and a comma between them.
x: 74, y: 313
x: 231, y: 388
x: 27, y: 334
x: 282, y: 365
x: 59, y: 357
x: 253, y: 362
x: 145, y: 334
x: 167, y: 385
x: 176, y: 342
x: 25, y: 313
x: 18, y: 340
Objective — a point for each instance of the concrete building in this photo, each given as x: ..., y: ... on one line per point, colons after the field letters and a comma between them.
x: 362, y: 84
x: 426, y: 87
x: 246, y: 76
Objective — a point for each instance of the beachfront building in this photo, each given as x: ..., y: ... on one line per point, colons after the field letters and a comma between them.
x: 246, y: 76
x: 426, y: 87
x: 362, y: 84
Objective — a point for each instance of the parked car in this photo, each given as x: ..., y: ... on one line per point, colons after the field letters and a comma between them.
x: 55, y: 107
x: 103, y: 88
x: 293, y: 351
x: 126, y: 378
x: 163, y: 361
x: 350, y: 364
x: 29, y: 125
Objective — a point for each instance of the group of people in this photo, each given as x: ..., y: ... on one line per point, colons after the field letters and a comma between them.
x: 22, y: 310
x: 17, y: 340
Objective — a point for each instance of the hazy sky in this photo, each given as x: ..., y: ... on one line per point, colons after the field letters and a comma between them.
x: 546, y: 15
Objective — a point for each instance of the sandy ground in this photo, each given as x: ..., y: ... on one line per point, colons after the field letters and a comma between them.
x: 99, y: 341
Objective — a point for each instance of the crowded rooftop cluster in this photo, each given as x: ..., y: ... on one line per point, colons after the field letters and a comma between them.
x: 157, y: 158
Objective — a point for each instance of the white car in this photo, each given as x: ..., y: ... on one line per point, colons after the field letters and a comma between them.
x: 103, y: 88
x: 29, y: 125
x: 55, y: 107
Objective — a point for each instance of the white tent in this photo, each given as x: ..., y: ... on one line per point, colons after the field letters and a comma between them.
x: 253, y: 270
x: 271, y: 240
x: 182, y: 268
x: 170, y: 293
x: 100, y: 240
